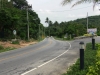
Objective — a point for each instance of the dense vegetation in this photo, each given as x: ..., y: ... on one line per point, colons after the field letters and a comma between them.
x: 95, y: 68
x: 91, y: 63
x: 13, y: 16
x: 75, y: 28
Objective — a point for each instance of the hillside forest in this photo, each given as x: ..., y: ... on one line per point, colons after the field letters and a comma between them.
x: 75, y: 28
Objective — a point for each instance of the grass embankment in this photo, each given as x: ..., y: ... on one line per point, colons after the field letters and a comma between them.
x: 63, y: 39
x: 2, y: 49
x: 15, y: 44
x: 91, y: 62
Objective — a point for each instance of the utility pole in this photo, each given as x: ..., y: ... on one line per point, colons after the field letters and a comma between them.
x: 39, y: 32
x: 49, y: 30
x: 87, y: 22
x: 49, y: 27
x: 27, y: 23
x: 27, y: 8
x: 44, y: 31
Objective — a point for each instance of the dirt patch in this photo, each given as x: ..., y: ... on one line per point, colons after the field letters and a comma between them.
x: 22, y: 44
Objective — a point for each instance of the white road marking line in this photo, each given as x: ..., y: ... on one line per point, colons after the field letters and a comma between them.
x: 47, y: 61
x: 29, y: 71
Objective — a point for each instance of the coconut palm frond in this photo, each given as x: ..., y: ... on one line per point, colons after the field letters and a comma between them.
x: 94, y: 5
x: 66, y: 2
x: 80, y: 1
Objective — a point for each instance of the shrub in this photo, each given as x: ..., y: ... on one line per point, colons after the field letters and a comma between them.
x: 87, y: 35
x: 1, y: 47
x: 95, y: 68
x: 15, y: 42
x: 89, y: 60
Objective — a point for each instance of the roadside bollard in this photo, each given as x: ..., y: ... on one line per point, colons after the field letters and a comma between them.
x: 93, y: 43
x: 81, y: 55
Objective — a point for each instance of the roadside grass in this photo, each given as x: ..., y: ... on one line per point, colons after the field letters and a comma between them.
x: 40, y: 39
x: 2, y: 49
x: 17, y: 42
x: 89, y: 60
x: 58, y: 38
x: 63, y: 39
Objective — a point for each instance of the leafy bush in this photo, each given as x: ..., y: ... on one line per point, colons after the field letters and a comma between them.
x: 1, y: 47
x: 95, y: 69
x: 15, y: 42
x: 89, y: 60
x: 6, y: 49
x: 87, y: 35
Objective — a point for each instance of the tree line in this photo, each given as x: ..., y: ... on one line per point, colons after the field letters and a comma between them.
x: 74, y: 28
x: 13, y: 16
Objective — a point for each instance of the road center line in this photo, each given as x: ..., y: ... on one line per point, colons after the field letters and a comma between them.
x: 48, y: 61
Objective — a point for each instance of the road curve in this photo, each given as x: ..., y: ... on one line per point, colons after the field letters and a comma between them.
x: 59, y: 65
x: 23, y: 60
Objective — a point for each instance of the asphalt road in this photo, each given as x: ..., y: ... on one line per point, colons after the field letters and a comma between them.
x: 49, y: 57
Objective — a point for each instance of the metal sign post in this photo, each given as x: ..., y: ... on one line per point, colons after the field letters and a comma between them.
x: 14, y: 32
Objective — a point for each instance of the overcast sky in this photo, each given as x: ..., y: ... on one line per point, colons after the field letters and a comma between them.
x: 56, y: 12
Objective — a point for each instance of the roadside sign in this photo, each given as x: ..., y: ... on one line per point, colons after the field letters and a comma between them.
x: 9, y: 0
x: 14, y: 32
x: 92, y: 31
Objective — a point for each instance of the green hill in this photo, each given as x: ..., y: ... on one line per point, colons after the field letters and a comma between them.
x: 75, y: 28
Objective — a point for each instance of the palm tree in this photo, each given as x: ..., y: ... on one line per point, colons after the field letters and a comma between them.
x: 47, y: 20
x: 64, y: 2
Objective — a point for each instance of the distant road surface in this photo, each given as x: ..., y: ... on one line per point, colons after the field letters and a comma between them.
x: 49, y: 57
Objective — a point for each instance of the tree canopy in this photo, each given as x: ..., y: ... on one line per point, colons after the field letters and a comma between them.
x: 74, y: 28
x: 13, y: 16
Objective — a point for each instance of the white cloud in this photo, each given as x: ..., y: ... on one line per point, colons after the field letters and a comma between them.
x: 97, y: 11
x: 71, y: 16
x: 41, y: 10
x: 45, y: 11
x: 76, y: 16
x: 48, y: 11
x: 96, y: 8
x: 82, y: 15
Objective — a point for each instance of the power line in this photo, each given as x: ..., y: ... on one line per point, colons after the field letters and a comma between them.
x: 67, y: 10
